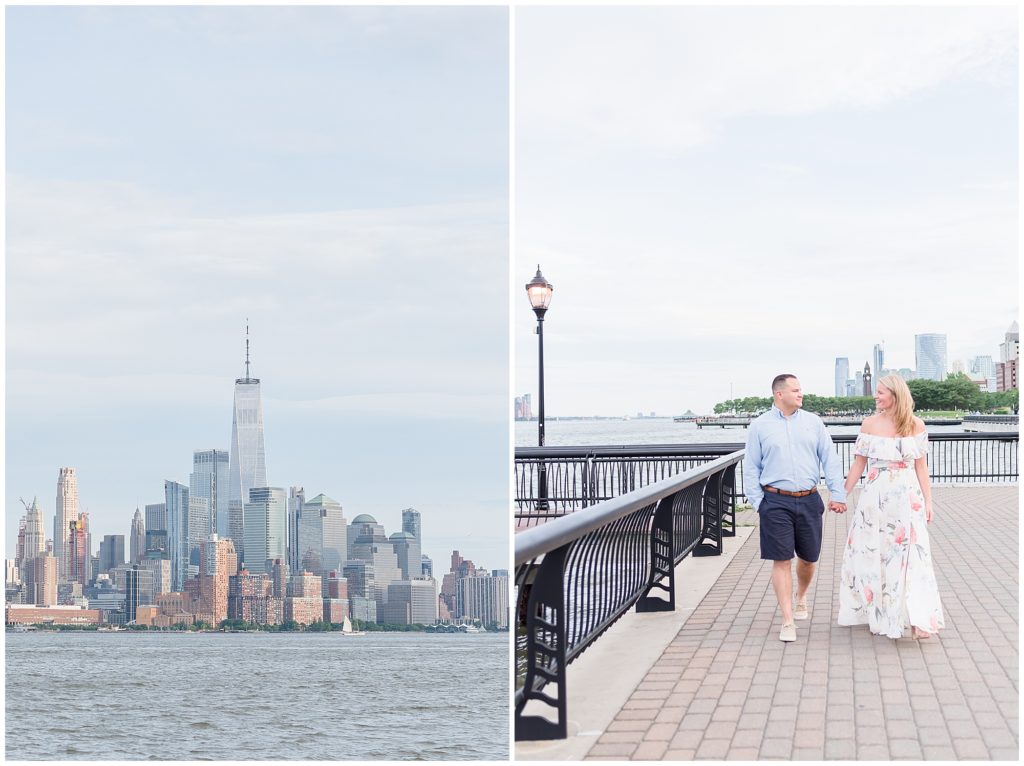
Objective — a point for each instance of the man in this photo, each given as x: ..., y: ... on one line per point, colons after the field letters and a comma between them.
x: 785, y: 447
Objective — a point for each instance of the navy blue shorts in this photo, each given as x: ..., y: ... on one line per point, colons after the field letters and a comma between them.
x: 791, y: 524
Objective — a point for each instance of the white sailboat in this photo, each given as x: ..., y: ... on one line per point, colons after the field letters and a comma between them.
x: 346, y: 629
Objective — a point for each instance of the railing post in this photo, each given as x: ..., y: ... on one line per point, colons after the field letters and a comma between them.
x: 662, y: 563
x: 545, y: 650
x: 712, y: 512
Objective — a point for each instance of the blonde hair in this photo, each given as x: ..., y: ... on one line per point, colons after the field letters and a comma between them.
x: 902, y: 412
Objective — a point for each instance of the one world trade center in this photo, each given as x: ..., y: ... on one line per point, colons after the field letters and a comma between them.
x: 248, y: 464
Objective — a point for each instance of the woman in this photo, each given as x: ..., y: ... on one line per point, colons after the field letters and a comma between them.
x: 888, y: 582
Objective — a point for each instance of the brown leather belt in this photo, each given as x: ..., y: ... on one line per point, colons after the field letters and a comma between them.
x: 787, y: 493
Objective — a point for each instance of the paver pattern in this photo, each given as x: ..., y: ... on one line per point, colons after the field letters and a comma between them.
x: 727, y: 688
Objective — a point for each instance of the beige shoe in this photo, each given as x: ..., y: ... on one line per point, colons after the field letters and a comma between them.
x: 800, y: 611
x: 788, y: 632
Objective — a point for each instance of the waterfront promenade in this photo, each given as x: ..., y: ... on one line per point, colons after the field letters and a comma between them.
x: 712, y: 681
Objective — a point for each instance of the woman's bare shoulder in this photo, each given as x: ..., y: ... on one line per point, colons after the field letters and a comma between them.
x: 870, y: 425
x: 918, y: 426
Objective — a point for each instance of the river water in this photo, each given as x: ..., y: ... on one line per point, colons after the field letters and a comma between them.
x: 259, y: 696
x: 649, y: 431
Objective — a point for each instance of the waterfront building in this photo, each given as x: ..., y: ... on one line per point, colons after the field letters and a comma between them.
x: 111, y: 552
x: 279, y: 576
x: 77, y: 550
x: 930, y: 356
x: 484, y: 598
x: 24, y: 614
x: 217, y: 564
x: 40, y: 581
x: 371, y: 545
x: 407, y: 551
x: 303, y: 610
x: 363, y: 609
x: 305, y: 585
x: 296, y: 499
x: 359, y: 577
x: 251, y: 598
x: 65, y: 512
x: 266, y: 521
x: 337, y: 587
x: 878, y: 360
x: 322, y: 539
x: 411, y: 602
x: 247, y: 467
x: 142, y: 579
x: 335, y: 610
x: 13, y: 573
x: 160, y: 568
x: 1009, y: 359
x: 209, y: 480
x: 842, y: 374
x: 983, y: 368
x: 137, y: 544
x: 176, y: 501
x: 132, y: 591
x: 426, y: 566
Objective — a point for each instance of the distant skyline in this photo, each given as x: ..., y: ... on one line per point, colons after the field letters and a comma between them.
x: 324, y: 173
x: 721, y: 194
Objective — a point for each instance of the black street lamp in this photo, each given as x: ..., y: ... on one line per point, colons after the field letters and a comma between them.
x: 539, y: 292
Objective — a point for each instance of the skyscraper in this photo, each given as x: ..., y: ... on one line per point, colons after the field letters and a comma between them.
x: 209, y: 480
x: 111, y: 552
x: 77, y: 550
x: 34, y: 541
x: 137, y: 543
x: 1009, y: 359
x: 842, y: 374
x: 176, y: 503
x: 322, y: 541
x: 878, y: 359
x: 247, y: 467
x: 296, y: 497
x: 218, y: 563
x: 265, y: 528
x: 65, y: 512
x: 930, y: 356
x: 407, y: 549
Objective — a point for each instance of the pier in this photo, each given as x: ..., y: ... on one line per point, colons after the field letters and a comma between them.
x: 707, y: 678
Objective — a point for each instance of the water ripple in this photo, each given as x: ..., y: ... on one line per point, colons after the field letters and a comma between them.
x: 309, y: 696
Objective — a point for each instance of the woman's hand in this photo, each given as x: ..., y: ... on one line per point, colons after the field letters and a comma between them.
x: 928, y: 511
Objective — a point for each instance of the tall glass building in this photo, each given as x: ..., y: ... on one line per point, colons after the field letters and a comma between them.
x: 322, y: 540
x: 842, y: 374
x: 248, y: 465
x: 209, y: 480
x: 930, y: 356
x: 266, y: 525
x: 177, y: 510
x: 878, y: 364
x: 65, y: 512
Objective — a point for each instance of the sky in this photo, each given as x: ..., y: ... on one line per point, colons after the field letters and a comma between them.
x: 723, y: 194
x: 337, y: 177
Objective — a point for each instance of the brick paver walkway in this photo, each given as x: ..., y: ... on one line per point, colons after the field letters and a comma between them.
x: 727, y: 688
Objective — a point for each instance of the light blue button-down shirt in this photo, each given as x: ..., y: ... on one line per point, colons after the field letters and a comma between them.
x: 786, y: 453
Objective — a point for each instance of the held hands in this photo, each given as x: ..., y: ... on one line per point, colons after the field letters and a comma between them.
x: 837, y: 507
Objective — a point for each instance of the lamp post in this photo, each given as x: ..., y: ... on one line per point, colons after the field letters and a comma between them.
x: 539, y: 292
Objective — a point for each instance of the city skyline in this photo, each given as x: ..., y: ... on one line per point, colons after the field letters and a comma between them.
x: 321, y: 172
x: 722, y: 194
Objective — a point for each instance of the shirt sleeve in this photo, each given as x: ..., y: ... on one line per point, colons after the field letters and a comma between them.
x: 860, y: 447
x: 833, y: 468
x: 752, y: 467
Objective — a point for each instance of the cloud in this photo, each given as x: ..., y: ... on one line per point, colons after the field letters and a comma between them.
x: 666, y: 79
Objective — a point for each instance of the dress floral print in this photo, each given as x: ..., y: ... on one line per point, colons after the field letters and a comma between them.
x: 888, y: 581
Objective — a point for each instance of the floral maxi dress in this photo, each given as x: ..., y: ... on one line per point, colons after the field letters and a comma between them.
x: 887, y: 581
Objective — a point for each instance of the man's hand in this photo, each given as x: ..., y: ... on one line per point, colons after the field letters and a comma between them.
x: 837, y: 507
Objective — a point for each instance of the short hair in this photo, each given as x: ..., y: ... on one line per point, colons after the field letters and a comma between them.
x: 780, y: 380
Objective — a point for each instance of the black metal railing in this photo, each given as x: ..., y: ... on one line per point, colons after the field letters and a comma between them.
x: 578, y: 477
x: 577, y: 574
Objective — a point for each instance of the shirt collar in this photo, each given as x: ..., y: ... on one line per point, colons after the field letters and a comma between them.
x: 778, y: 412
